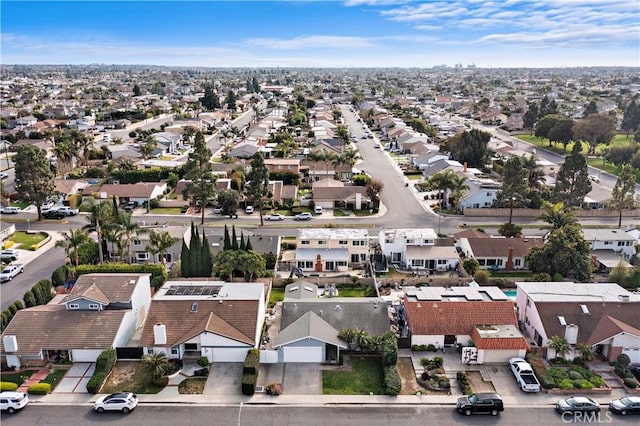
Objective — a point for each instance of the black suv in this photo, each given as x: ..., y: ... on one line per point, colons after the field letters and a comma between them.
x: 54, y: 214
x: 480, y: 403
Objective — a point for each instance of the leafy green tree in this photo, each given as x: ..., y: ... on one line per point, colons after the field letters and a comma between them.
x: 29, y: 299
x: 572, y: 181
x: 374, y: 189
x: 147, y: 146
x: 565, y: 252
x: 257, y: 187
x: 201, y: 185
x: 136, y: 90
x: 470, y: 147
x: 227, y: 239
x: 185, y: 257
x: 547, y: 106
x: 343, y: 133
x: 129, y: 229
x: 622, y: 196
x: 559, y: 345
x: 514, y: 184
x: 251, y: 264
x: 621, y: 154
x: 556, y: 215
x: 510, y: 230
x: 210, y: 101
x: 34, y: 178
x: 231, y: 100
x: 545, y: 124
x: 206, y: 260
x: 99, y: 213
x: 228, y: 200
x: 530, y: 117
x: 226, y: 262
x: 631, y: 118
x: 590, y: 108
x: 595, y: 129
x: 562, y: 132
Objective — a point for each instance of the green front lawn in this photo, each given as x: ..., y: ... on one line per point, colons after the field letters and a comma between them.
x: 167, y: 210
x: 17, y: 378
x: 54, y: 377
x: 368, y: 291
x: 24, y: 241
x: 363, y: 213
x: 544, y: 143
x: 20, y: 204
x: 610, y: 168
x: 366, y: 377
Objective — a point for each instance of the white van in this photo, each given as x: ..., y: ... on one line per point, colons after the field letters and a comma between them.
x: 317, y: 210
x: 106, y: 137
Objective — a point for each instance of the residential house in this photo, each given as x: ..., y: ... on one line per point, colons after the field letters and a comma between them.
x: 499, y: 253
x: 480, y: 319
x: 417, y: 249
x: 123, y: 151
x: 141, y: 241
x: 318, y: 170
x: 309, y: 325
x: 169, y: 141
x: 66, y: 187
x: 140, y: 192
x: 482, y: 193
x: 7, y: 230
x: 283, y: 165
x: 330, y: 193
x: 102, y: 311
x: 601, y: 315
x: 332, y: 250
x: 610, y: 247
x: 213, y: 319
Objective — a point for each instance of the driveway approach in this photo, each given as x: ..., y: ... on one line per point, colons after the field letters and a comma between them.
x: 225, y: 378
x: 75, y: 380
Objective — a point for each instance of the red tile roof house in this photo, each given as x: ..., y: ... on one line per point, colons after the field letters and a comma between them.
x: 140, y: 192
x: 330, y: 193
x: 218, y: 320
x: 101, y: 312
x: 481, y: 319
x: 602, y: 315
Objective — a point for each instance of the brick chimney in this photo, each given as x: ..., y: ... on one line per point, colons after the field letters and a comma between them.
x: 509, y: 265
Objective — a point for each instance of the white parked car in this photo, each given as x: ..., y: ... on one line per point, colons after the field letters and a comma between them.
x: 10, y: 272
x: 13, y: 401
x: 248, y: 210
x: 275, y: 216
x: 123, y: 401
x: 11, y: 254
x: 10, y: 210
x: 594, y: 178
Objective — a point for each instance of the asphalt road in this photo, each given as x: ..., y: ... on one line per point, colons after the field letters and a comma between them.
x: 35, y: 271
x: 248, y: 415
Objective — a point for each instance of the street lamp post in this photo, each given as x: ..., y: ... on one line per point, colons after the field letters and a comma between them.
x: 511, y: 210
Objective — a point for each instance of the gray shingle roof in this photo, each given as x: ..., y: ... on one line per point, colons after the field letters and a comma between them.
x: 309, y: 325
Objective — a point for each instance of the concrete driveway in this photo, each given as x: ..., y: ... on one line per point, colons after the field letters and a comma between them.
x: 302, y: 379
x: 75, y: 381
x: 225, y: 378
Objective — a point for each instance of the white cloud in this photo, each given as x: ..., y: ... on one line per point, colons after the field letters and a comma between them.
x: 310, y: 42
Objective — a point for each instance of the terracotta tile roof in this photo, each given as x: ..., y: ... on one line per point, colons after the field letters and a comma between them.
x: 469, y: 234
x: 53, y: 327
x: 235, y: 319
x: 603, y: 321
x: 437, y: 318
x: 133, y: 190
x: 498, y: 343
x: 104, y: 288
x: 499, y: 247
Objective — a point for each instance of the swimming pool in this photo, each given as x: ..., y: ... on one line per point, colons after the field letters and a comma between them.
x: 511, y: 294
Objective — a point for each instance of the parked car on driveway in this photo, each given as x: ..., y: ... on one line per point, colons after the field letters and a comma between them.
x: 3, y: 175
x: 525, y: 377
x: 275, y: 216
x: 123, y: 401
x: 10, y: 271
x: 13, y: 401
x: 68, y: 211
x: 625, y: 405
x: 11, y: 254
x: 130, y: 206
x: 575, y: 404
x: 302, y: 216
x: 248, y: 210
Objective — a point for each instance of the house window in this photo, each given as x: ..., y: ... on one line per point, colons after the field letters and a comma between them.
x: 608, y: 243
x: 343, y: 242
x: 93, y: 306
x: 488, y: 194
x: 305, y: 264
x: 528, y: 302
x: 442, y: 261
x: 427, y: 241
x: 518, y: 262
x: 149, y: 351
x: 621, y: 243
x: 358, y: 243
x: 341, y: 263
x: 73, y: 306
x: 417, y: 263
x: 481, y: 262
x: 322, y: 242
x: 168, y: 257
x: 136, y: 242
x: 526, y: 321
x: 305, y: 242
x: 396, y: 257
x: 388, y: 241
x: 174, y: 351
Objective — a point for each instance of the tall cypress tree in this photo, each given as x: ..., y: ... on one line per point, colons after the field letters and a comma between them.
x: 227, y: 239
x: 194, y: 249
x: 249, y: 247
x: 234, y: 238
x: 242, y: 246
x: 185, y: 260
x: 207, y: 260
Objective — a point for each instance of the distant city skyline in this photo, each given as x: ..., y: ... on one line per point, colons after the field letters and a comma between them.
x: 332, y: 34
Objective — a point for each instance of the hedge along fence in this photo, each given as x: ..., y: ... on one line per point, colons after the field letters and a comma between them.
x: 389, y: 350
x: 104, y: 364
x: 35, y: 247
x: 158, y: 271
x: 392, y: 381
x: 39, y: 389
x: 250, y: 370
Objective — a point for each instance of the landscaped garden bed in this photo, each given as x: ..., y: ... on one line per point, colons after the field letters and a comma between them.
x: 433, y: 378
x: 192, y: 385
x: 133, y: 376
x: 18, y: 377
x: 567, y: 378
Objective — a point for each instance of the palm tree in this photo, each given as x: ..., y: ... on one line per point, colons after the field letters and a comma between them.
x: 442, y: 182
x: 147, y: 146
x: 587, y: 352
x: 160, y: 243
x: 99, y: 213
x: 72, y: 240
x: 64, y: 150
x: 157, y: 364
x: 458, y: 188
x: 111, y: 233
x: 560, y: 346
x: 556, y: 215
x: 83, y: 146
x: 535, y: 173
x: 129, y: 229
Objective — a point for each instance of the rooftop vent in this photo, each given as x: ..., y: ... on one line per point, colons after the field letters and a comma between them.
x: 563, y: 322
x: 132, y: 281
x: 624, y: 297
x: 584, y: 309
x: 337, y: 308
x: 194, y: 307
x: 294, y: 288
x: 308, y: 288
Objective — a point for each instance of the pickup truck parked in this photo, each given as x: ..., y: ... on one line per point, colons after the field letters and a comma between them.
x: 525, y: 377
x: 68, y: 211
x: 10, y: 271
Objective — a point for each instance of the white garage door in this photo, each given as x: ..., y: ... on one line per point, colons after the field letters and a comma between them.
x: 229, y: 354
x: 293, y: 354
x: 633, y: 354
x: 85, y: 355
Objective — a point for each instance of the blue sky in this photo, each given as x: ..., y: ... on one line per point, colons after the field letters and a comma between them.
x: 351, y: 33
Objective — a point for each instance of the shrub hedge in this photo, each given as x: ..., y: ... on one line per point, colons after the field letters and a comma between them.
x: 249, y: 383
x: 463, y: 383
x: 39, y: 389
x: 251, y: 362
x: 392, y: 381
x: 8, y: 386
x: 203, y: 361
x: 155, y: 269
x: 104, y: 364
x: 389, y: 350
x: 629, y: 382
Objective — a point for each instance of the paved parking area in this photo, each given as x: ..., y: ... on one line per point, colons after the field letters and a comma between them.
x: 302, y: 379
x: 75, y: 381
x: 225, y: 378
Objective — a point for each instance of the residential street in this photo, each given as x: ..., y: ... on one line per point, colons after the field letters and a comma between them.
x: 371, y: 415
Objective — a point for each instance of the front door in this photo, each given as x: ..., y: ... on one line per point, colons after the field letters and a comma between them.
x: 450, y: 340
x: 330, y: 266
